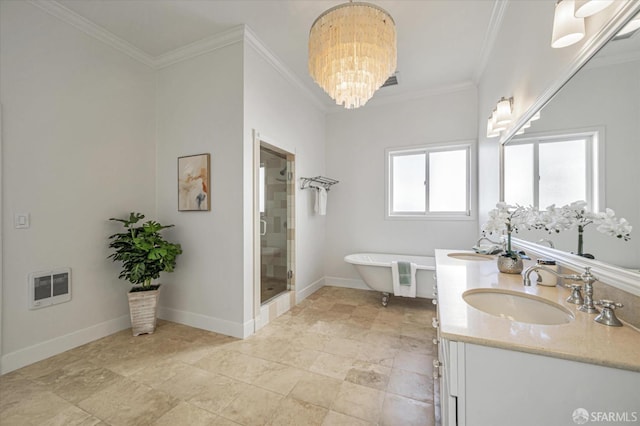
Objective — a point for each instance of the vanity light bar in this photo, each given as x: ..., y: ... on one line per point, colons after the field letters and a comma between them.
x: 500, y: 118
x: 568, y: 20
x: 567, y: 29
x: 585, y: 8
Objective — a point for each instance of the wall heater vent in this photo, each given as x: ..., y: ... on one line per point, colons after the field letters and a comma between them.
x: 48, y: 288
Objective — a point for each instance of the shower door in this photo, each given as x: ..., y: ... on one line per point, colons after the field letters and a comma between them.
x: 275, y: 186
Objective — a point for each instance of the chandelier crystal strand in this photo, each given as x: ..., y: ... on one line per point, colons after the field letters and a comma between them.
x: 352, y: 52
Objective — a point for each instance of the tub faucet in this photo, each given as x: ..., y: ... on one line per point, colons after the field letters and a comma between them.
x: 527, y: 280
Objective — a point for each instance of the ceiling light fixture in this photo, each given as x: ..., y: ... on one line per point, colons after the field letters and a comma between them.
x: 586, y: 8
x: 352, y: 52
x: 567, y: 29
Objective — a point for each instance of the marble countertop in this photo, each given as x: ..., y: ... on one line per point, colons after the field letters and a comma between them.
x: 582, y: 339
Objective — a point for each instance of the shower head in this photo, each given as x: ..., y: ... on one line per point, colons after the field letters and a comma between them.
x: 283, y: 171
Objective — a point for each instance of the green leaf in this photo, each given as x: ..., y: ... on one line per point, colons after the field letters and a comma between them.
x: 143, y: 251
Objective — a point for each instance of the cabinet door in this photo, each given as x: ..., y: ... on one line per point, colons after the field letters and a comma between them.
x: 505, y: 387
x: 450, y: 383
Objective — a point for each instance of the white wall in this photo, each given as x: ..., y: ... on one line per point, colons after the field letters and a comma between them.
x: 78, y: 148
x: 200, y: 110
x: 356, y: 143
x: 290, y: 120
x: 606, y: 97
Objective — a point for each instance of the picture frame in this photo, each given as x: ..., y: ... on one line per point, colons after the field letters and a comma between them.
x: 194, y: 183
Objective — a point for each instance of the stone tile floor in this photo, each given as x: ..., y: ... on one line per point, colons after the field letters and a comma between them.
x: 337, y: 358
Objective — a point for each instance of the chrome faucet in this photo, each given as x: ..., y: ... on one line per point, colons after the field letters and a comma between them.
x: 527, y: 280
x: 484, y: 238
x: 586, y: 277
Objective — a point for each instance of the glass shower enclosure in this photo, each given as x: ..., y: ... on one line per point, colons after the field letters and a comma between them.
x: 275, y: 177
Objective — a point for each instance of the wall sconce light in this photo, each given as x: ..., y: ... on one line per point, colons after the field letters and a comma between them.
x: 491, y: 132
x: 567, y: 29
x: 500, y: 118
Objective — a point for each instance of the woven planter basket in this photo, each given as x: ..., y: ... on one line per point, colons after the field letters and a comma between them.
x: 143, y: 307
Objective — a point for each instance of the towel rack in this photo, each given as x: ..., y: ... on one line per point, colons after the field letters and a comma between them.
x: 316, y: 182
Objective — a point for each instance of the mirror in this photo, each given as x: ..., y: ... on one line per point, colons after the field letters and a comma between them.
x: 602, y: 99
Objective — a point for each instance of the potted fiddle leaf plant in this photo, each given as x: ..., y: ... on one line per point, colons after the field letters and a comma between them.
x: 144, y: 254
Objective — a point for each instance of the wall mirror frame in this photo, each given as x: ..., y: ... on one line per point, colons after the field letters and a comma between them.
x: 623, y: 278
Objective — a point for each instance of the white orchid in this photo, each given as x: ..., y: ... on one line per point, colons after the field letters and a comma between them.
x: 610, y: 225
x: 551, y: 219
x: 506, y: 218
x: 576, y: 215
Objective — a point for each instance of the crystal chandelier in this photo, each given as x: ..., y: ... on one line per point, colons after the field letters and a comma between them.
x: 352, y: 52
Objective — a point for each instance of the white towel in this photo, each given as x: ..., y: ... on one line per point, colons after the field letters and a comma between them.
x: 403, y: 290
x: 320, y: 206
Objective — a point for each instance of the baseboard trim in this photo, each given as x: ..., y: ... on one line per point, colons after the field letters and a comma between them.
x: 23, y: 357
x: 248, y: 328
x: 346, y: 283
x: 309, y: 290
x: 217, y: 325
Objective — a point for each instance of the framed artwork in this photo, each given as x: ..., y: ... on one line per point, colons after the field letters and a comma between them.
x: 194, y: 183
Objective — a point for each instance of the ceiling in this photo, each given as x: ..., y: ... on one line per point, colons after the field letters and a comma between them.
x: 442, y: 44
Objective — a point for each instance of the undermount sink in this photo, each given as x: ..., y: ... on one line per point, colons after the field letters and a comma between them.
x: 470, y: 256
x: 517, y: 306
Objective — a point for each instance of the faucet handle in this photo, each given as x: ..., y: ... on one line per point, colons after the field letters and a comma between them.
x: 608, y: 316
x: 587, y: 276
x: 576, y: 294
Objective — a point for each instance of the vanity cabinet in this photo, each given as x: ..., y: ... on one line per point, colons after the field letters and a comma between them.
x: 482, y: 385
x: 495, y: 371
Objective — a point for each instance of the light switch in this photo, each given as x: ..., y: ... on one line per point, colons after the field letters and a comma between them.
x: 21, y: 220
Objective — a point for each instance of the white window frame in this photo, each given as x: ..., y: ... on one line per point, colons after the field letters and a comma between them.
x: 595, y: 162
x: 471, y: 198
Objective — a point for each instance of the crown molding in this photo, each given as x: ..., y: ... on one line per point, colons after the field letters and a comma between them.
x: 237, y: 34
x: 200, y: 47
x: 70, y: 17
x: 242, y: 33
x: 495, y: 23
x: 252, y: 40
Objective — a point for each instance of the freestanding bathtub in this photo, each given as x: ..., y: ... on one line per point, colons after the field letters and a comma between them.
x: 375, y: 271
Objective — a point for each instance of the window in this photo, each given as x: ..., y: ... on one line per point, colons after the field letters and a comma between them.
x: 558, y: 169
x: 429, y: 182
